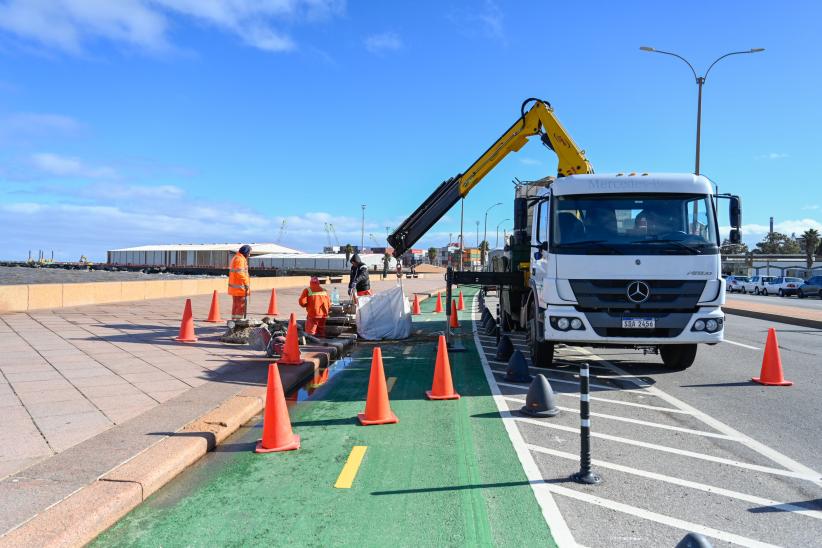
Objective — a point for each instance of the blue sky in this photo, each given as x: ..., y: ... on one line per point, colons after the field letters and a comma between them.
x: 161, y: 121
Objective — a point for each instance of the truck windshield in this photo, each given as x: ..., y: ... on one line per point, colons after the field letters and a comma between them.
x: 631, y: 224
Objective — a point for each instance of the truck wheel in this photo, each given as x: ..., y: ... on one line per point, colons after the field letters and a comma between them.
x: 542, y: 353
x: 678, y: 356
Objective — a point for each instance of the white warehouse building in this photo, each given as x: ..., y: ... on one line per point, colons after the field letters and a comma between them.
x: 194, y: 255
x: 317, y: 262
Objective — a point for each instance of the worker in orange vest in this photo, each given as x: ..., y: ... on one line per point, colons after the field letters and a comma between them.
x: 317, y: 304
x: 239, y: 283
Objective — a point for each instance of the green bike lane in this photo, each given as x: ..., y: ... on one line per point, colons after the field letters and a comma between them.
x: 445, y: 475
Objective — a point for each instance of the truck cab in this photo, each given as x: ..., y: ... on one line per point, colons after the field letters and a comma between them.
x: 625, y: 260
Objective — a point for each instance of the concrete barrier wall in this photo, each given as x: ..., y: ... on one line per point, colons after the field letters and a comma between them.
x: 22, y: 298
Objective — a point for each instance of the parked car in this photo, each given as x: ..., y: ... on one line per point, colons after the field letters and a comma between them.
x: 783, y: 286
x: 756, y: 285
x: 812, y: 286
x: 733, y: 284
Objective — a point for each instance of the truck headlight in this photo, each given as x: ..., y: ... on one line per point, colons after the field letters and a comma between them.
x: 699, y: 325
x: 711, y: 325
x: 563, y: 323
x: 576, y: 323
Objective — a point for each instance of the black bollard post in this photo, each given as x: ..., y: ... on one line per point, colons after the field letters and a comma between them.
x: 499, y: 325
x: 585, y: 474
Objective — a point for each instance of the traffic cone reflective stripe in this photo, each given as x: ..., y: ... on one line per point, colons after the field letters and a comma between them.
x: 438, y: 307
x: 461, y: 303
x: 214, y: 311
x: 272, y: 304
x: 415, y: 309
x: 454, y: 320
x: 771, y: 373
x: 187, y: 325
x: 277, y: 434
x: 377, y: 407
x: 443, y: 386
x: 291, y: 349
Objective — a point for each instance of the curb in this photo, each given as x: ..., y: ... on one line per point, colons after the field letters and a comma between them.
x: 79, y: 518
x: 790, y: 320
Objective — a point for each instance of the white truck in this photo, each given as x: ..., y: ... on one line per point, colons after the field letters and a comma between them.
x: 616, y: 260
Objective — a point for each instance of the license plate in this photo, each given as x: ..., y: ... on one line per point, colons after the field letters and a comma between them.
x: 638, y: 323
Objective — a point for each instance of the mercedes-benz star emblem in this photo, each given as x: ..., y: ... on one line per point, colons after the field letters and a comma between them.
x: 638, y: 292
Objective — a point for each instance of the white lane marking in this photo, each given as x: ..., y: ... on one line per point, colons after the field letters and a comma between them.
x: 592, y: 385
x: 550, y: 511
x: 742, y: 345
x: 640, y: 422
x: 783, y: 506
x: 663, y: 448
x: 407, y: 350
x: 659, y: 518
x: 783, y: 460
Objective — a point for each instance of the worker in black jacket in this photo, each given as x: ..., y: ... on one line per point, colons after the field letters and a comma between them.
x: 359, y: 281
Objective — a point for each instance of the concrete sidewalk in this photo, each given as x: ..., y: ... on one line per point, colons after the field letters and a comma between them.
x: 793, y: 315
x: 111, y: 375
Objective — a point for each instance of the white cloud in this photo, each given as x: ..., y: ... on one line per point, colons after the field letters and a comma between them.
x: 487, y: 21
x: 383, y: 42
x: 70, y: 25
x: 773, y: 156
x: 67, y: 166
x: 24, y: 125
x: 811, y: 207
x: 753, y: 232
x: 529, y: 161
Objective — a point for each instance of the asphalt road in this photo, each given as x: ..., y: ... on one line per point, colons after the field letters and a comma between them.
x: 700, y: 449
x: 809, y: 302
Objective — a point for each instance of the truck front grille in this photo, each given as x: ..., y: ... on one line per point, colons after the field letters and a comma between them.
x: 611, y: 295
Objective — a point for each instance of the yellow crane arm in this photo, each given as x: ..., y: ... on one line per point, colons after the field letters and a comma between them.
x: 539, y: 120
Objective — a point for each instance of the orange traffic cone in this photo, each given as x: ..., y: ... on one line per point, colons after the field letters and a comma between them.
x: 272, y: 304
x: 277, y: 434
x: 438, y: 308
x: 454, y: 320
x: 291, y: 349
x: 460, y: 303
x: 214, y: 311
x: 443, y: 386
x: 771, y: 373
x: 377, y: 407
x: 187, y: 325
x: 415, y: 308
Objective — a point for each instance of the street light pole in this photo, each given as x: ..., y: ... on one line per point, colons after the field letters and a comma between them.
x: 498, y: 225
x: 362, y: 230
x: 485, y: 232
x: 700, y: 81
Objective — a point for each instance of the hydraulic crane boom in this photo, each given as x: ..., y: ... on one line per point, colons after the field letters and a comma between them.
x: 538, y: 120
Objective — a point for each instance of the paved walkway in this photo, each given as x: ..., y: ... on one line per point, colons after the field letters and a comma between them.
x: 444, y: 476
x: 792, y: 311
x: 70, y: 374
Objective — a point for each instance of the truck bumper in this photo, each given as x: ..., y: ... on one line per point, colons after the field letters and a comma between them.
x: 590, y: 337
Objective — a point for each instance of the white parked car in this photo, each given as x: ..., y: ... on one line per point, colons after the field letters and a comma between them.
x: 756, y: 285
x: 783, y: 287
x: 733, y: 284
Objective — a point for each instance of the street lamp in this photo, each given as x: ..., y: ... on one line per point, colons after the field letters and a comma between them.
x: 485, y: 230
x: 498, y: 225
x: 700, y: 80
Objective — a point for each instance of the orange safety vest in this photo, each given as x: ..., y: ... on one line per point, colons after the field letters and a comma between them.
x: 316, y: 303
x: 238, y: 278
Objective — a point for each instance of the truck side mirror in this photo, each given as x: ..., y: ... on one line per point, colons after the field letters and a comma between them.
x: 735, y: 236
x: 735, y: 211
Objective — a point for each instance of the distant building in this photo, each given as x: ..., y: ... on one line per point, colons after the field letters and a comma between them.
x: 414, y: 256
x: 196, y: 255
x: 317, y: 262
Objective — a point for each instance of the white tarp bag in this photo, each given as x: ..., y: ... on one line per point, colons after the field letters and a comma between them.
x: 386, y: 315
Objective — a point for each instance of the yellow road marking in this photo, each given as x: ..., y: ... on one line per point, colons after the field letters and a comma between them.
x: 352, y: 465
x: 390, y: 383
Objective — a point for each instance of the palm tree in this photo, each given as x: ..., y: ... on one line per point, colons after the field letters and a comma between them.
x: 432, y: 254
x: 810, y: 241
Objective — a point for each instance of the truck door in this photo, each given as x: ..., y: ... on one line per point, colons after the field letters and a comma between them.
x: 539, y: 256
